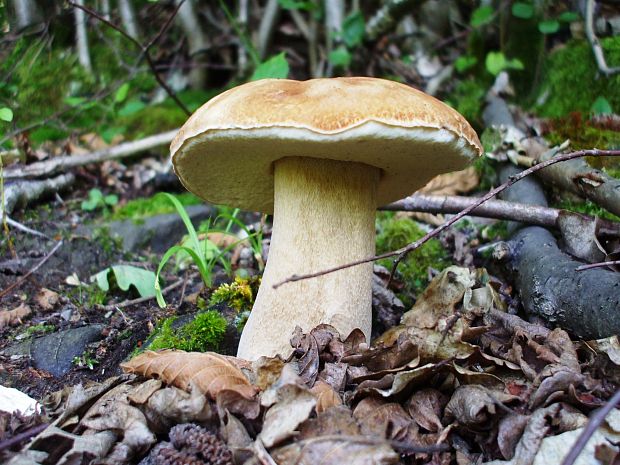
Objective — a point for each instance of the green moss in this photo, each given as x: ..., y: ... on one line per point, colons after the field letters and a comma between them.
x: 586, y: 207
x: 150, y: 206
x: 467, y: 98
x: 613, y: 172
x: 41, y: 328
x: 573, y: 82
x: 204, y: 333
x: 583, y: 133
x: 239, y: 294
x: 394, y: 233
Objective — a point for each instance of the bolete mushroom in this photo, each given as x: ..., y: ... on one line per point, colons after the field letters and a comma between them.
x: 320, y: 155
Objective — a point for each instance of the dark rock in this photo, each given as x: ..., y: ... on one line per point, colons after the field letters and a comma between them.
x: 55, y: 352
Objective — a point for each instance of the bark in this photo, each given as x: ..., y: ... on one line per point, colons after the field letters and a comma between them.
x: 25, y: 13
x: 271, y: 14
x: 197, y: 40
x: 128, y: 18
x: 21, y: 193
x: 81, y: 38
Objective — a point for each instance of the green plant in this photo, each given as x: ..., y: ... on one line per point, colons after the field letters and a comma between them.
x: 137, y: 209
x: 41, y: 328
x: 205, y: 332
x: 352, y: 35
x: 86, y: 360
x: 96, y: 200
x: 126, y: 276
x: 204, y: 253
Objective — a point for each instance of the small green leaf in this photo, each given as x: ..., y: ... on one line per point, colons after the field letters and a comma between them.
x: 522, y: 10
x: 495, y: 62
x: 74, y: 101
x: 6, y: 114
x: 108, y: 134
x: 353, y: 28
x: 131, y: 107
x: 601, y: 106
x: 111, y: 199
x: 464, y: 63
x: 127, y: 276
x: 340, y: 57
x: 549, y: 27
x: 568, y: 17
x: 275, y: 67
x: 121, y: 93
x: 482, y: 15
x: 95, y: 198
x: 515, y: 63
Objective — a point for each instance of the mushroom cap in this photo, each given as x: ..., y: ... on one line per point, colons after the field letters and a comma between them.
x: 225, y: 151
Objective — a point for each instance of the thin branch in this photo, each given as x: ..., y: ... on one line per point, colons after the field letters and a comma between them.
x: 496, y: 209
x: 401, y: 253
x: 26, y: 229
x: 597, y: 265
x: 144, y: 49
x: 20, y: 281
x: 595, y: 43
x: 596, y: 421
x: 21, y: 437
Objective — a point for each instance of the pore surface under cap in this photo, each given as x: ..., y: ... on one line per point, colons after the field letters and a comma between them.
x: 224, y: 153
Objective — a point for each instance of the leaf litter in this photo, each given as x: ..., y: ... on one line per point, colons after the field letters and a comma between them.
x: 458, y: 381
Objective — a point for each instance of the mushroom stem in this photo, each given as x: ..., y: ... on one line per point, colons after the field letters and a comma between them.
x: 324, y: 215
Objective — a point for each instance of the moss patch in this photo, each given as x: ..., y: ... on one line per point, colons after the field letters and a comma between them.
x: 204, y: 333
x: 394, y: 233
x: 151, y: 206
x: 240, y: 294
x: 586, y: 207
x: 573, y: 68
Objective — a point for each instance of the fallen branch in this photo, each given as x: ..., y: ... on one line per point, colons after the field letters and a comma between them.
x: 22, y: 192
x: 46, y: 168
x: 597, y: 265
x: 497, y: 209
x: 20, y: 281
x: 401, y: 253
x: 599, y: 56
x: 591, y: 427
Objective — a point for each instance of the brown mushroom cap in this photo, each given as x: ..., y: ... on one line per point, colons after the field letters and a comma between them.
x: 225, y: 151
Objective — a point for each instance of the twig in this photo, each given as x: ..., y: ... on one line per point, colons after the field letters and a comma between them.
x: 20, y: 281
x: 402, y: 252
x: 144, y: 49
x: 21, y: 437
x: 46, y: 168
x: 26, y: 229
x: 595, y: 43
x: 597, y: 265
x: 595, y: 421
x: 139, y: 300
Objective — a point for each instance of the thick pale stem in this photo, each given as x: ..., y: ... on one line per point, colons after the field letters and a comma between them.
x: 324, y: 215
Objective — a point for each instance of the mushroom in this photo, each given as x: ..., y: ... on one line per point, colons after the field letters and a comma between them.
x: 320, y: 155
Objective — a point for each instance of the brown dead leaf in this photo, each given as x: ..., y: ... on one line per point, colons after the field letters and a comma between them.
x: 388, y: 420
x: 337, y: 420
x: 334, y: 374
x: 46, y: 299
x: 293, y: 408
x: 15, y: 316
x: 334, y: 450
x: 474, y: 406
x: 509, y: 432
x: 209, y: 372
x: 425, y: 407
x: 326, y: 397
x: 170, y: 406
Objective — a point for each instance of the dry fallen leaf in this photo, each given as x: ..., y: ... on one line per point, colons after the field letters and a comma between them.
x: 337, y: 420
x: 293, y: 407
x: 334, y: 450
x: 326, y: 397
x: 46, y: 299
x: 15, y: 316
x: 209, y: 372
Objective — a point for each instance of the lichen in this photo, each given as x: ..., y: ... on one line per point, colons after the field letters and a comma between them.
x: 205, y: 332
x: 573, y: 67
x: 239, y: 294
x: 394, y: 233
